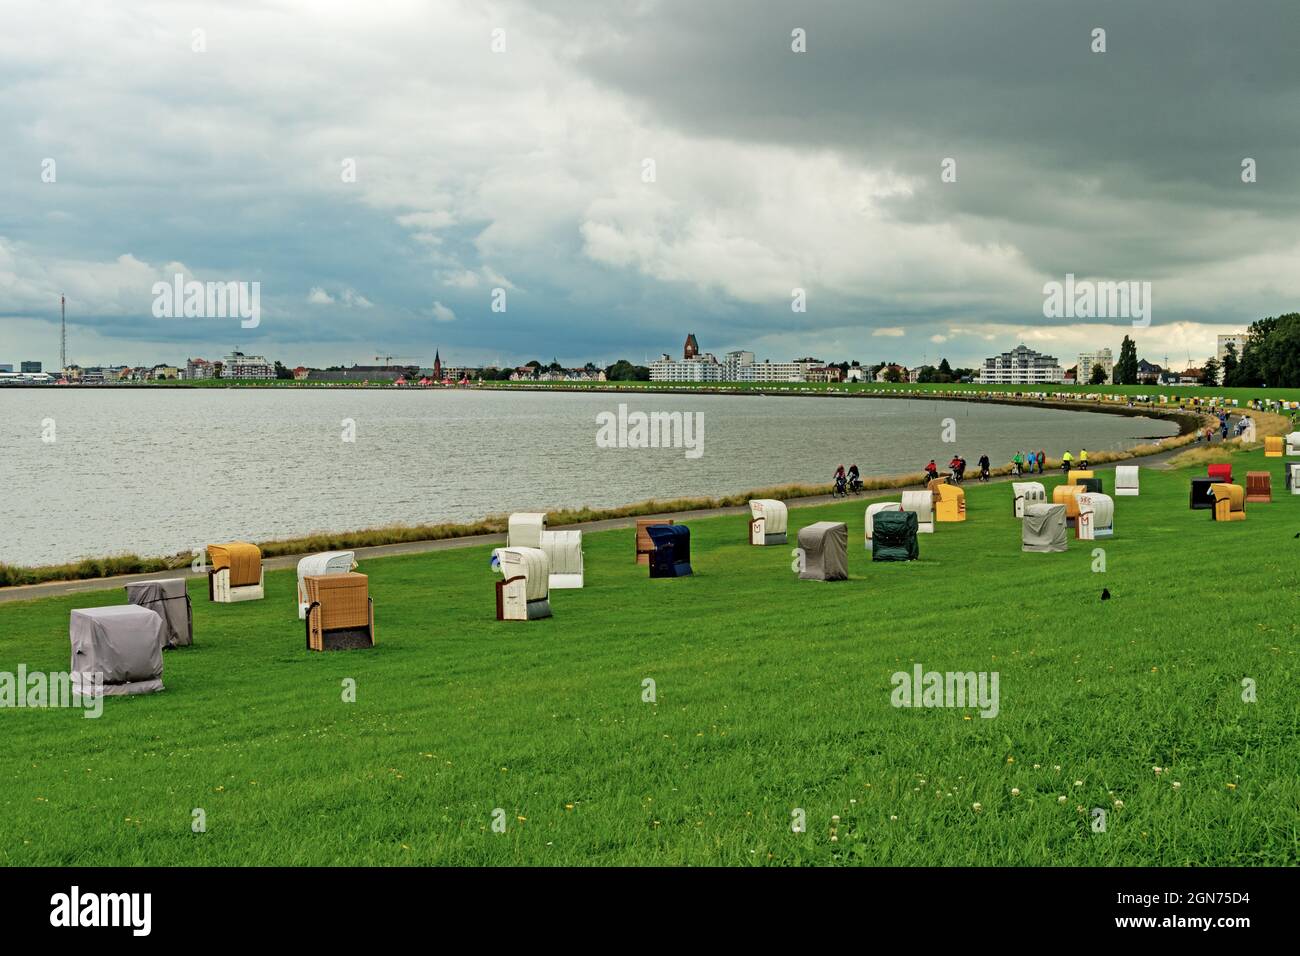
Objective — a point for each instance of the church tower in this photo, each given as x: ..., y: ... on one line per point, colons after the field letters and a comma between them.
x: 692, y: 347
x: 437, y: 366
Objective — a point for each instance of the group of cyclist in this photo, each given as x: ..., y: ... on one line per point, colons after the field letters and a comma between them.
x: 1023, y: 463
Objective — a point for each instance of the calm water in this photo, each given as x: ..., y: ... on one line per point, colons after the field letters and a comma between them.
x: 158, y: 472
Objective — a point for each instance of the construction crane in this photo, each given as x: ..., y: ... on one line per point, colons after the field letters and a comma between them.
x: 388, y: 359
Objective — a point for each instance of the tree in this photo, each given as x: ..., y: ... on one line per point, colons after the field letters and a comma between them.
x: 1098, y: 376
x: 625, y: 371
x: 945, y: 372
x: 1126, y: 369
x: 1210, y: 374
x: 892, y: 374
x: 1231, y: 367
x: 281, y: 371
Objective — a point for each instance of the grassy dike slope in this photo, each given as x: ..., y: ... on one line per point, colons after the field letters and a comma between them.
x: 773, y: 694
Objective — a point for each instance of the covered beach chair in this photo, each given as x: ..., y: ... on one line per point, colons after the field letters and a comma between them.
x: 950, y: 503
x: 120, y: 646
x: 1091, y: 485
x: 1027, y: 493
x: 1201, y: 498
x: 564, y: 558
x: 523, y: 593
x: 1043, y: 528
x: 235, y: 573
x: 1293, y: 443
x: 327, y: 562
x: 171, y: 599
x: 1221, y: 473
x: 1259, y: 486
x: 825, y: 547
x: 767, y: 521
x: 340, y: 612
x: 671, y: 557
x: 1126, y: 480
x: 1273, y: 445
x: 524, y: 529
x: 1229, y: 502
x: 1096, y: 516
x: 875, y: 509
x: 1076, y: 477
x: 894, y: 537
x: 1068, y: 495
x: 921, y: 503
x: 1293, y: 477
x: 643, y: 543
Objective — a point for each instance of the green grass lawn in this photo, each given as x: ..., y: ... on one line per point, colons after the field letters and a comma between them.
x: 773, y: 694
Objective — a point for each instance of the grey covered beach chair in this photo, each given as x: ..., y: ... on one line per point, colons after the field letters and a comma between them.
x: 1044, y: 528
x: 825, y: 547
x: 122, y: 644
x: 171, y: 599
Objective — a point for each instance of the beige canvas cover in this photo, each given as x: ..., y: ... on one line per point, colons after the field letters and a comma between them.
x: 123, y: 643
x: 170, y: 598
x: 525, y: 529
x: 825, y: 547
x: 1043, y: 528
x: 1293, y: 443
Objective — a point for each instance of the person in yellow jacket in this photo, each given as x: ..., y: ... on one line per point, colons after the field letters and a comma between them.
x: 1065, y: 462
x: 1083, y: 459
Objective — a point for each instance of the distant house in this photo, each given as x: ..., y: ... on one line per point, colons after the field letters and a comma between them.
x: 1191, y: 376
x: 883, y: 373
x: 301, y: 373
x: 826, y: 373
x: 1148, y: 373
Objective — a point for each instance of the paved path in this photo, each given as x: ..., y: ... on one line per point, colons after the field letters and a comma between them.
x: 62, y: 588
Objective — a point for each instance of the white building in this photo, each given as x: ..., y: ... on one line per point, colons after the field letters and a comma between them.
x: 769, y: 371
x: 733, y: 362
x: 702, y: 368
x: 1236, y: 340
x: 1021, y: 366
x: 1087, y: 360
x: 239, y: 365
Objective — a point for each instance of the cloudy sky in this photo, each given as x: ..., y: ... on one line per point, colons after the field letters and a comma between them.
x: 216, y: 140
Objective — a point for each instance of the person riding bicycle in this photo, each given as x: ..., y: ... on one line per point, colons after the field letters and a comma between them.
x: 840, y: 482
x: 954, y: 467
x: 1066, y: 460
x: 855, y: 479
x: 984, y: 467
x: 931, y: 471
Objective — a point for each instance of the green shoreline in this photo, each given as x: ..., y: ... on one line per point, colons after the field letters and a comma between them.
x: 1179, y: 393
x: 116, y: 565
